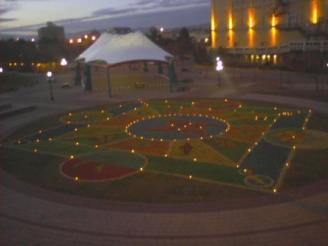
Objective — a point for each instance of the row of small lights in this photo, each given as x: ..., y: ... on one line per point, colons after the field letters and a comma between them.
x: 71, y: 40
x: 80, y: 40
x: 96, y: 146
x: 264, y: 56
x: 63, y: 62
x: 22, y: 64
x: 50, y: 139
x: 128, y: 126
x: 256, y: 143
x: 71, y: 157
x: 294, y: 147
x: 286, y: 114
x: 133, y: 151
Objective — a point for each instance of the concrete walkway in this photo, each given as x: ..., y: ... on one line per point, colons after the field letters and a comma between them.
x: 36, y: 218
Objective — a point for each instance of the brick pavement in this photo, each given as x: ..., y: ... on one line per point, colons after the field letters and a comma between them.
x: 27, y: 219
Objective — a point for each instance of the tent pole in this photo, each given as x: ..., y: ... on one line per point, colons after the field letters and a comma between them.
x: 108, y: 82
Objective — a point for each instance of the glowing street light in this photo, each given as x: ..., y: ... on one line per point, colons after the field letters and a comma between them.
x: 63, y: 62
x: 93, y: 38
x: 162, y: 29
x: 49, y: 74
x: 219, y: 68
x: 71, y: 41
x: 33, y: 40
x: 50, y: 79
x: 79, y: 40
x: 219, y: 64
x: 1, y: 69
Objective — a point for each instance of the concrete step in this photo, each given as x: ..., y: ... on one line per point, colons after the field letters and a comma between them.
x: 4, y: 107
x: 11, y: 112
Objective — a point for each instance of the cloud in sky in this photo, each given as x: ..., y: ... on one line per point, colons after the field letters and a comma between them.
x: 77, y: 15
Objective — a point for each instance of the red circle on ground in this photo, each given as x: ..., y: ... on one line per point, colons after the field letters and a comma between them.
x: 87, y: 170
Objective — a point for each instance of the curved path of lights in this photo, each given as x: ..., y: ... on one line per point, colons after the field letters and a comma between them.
x: 32, y: 216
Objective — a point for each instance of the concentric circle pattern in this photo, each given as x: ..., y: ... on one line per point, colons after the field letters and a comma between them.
x: 180, y: 127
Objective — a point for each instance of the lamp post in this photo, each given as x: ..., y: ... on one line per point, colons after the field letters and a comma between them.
x: 219, y: 68
x: 50, y: 79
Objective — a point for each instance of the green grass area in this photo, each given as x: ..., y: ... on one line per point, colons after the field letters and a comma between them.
x: 59, y: 148
x: 230, y: 148
x: 307, y: 167
x: 120, y: 158
x: 42, y: 170
x: 95, y: 135
x: 319, y: 122
x: 165, y: 106
x: 200, y: 170
x: 86, y: 117
x: 308, y: 139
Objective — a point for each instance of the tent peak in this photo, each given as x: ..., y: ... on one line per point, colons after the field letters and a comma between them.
x: 116, y: 49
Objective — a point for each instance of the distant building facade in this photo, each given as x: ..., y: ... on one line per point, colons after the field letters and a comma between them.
x: 269, y: 26
x: 52, y: 33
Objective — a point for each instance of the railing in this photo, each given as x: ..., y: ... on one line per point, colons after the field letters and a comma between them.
x: 320, y: 46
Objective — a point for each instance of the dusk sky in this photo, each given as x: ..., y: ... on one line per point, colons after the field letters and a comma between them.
x: 23, y: 17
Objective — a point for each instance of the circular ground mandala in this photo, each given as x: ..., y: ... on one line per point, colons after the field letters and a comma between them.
x: 180, y: 127
x: 137, y: 148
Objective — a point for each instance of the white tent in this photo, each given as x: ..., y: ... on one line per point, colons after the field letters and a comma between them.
x: 115, y: 49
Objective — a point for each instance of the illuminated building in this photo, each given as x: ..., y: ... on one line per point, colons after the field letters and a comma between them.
x: 269, y: 26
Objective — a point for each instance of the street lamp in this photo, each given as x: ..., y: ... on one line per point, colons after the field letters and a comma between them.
x: 63, y: 62
x: 161, y: 29
x: 50, y: 79
x: 1, y: 69
x: 219, y: 68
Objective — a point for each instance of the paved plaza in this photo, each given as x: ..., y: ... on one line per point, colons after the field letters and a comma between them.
x: 33, y: 216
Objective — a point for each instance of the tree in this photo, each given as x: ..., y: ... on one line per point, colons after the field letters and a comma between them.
x: 154, y: 34
x: 184, y: 34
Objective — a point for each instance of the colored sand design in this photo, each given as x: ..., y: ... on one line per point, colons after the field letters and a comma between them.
x: 178, y: 127
x: 107, y: 166
x: 216, y: 141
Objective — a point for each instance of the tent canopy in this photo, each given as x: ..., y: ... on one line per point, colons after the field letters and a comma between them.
x: 115, y: 49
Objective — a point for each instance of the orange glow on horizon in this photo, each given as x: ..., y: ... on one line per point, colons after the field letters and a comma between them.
x: 214, y: 24
x: 251, y: 38
x: 314, y: 12
x: 231, y: 38
x: 273, y: 21
x: 251, y: 18
x: 230, y: 20
x: 273, y: 36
